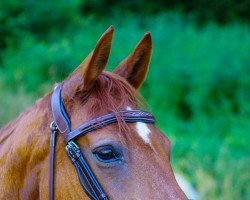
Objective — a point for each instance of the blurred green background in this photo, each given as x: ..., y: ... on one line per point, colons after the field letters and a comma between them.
x: 198, y: 85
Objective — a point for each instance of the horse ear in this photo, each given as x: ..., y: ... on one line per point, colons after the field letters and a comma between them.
x: 96, y: 61
x: 134, y: 68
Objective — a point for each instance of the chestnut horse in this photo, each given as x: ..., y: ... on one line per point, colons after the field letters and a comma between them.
x: 130, y: 160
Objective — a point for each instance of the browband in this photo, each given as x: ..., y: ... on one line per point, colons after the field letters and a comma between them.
x: 61, y: 122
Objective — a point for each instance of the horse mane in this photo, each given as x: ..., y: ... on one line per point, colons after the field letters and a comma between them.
x: 39, y: 109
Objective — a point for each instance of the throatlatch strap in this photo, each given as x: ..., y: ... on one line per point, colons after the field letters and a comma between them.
x: 53, y: 130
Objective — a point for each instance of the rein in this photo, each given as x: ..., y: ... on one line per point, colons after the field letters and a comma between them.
x: 61, y: 123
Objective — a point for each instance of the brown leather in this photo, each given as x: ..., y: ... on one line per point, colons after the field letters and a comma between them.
x: 86, y: 176
x: 59, y: 113
x: 53, y: 130
x: 103, y: 120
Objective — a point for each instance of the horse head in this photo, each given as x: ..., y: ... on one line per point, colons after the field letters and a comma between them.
x: 130, y: 160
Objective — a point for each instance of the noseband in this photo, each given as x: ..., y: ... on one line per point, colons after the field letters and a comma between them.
x: 61, y: 123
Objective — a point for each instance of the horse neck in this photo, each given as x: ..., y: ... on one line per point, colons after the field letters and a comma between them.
x: 24, y: 146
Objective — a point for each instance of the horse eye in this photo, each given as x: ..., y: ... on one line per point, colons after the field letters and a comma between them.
x: 106, y: 154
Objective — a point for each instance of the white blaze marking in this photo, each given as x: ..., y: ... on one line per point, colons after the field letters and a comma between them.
x: 128, y: 108
x: 143, y: 131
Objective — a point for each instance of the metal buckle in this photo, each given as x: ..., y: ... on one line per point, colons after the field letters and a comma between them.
x: 73, y: 151
x: 53, y: 127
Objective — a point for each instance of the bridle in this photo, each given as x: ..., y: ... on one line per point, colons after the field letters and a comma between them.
x: 61, y: 123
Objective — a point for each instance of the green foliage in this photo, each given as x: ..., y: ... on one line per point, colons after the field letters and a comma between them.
x: 36, y: 17
x: 198, y: 84
x: 201, y: 11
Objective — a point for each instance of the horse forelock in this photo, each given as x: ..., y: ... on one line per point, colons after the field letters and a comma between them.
x: 112, y: 93
x: 109, y: 93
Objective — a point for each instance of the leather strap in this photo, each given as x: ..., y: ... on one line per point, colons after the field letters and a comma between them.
x: 60, y: 116
x: 128, y: 116
x: 85, y: 174
x: 53, y: 130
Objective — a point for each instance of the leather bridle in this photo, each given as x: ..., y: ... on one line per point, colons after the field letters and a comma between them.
x: 61, y: 123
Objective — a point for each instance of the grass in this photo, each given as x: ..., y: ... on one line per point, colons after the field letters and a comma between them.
x: 198, y: 88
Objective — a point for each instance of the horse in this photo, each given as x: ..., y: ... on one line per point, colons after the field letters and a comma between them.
x: 129, y: 160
